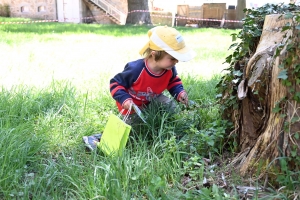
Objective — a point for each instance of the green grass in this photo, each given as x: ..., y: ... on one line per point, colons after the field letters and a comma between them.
x: 54, y: 89
x: 88, y: 52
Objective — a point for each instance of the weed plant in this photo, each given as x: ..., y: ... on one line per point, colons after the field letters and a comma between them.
x: 41, y: 149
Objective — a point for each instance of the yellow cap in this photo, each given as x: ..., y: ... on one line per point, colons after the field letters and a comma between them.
x: 168, y: 39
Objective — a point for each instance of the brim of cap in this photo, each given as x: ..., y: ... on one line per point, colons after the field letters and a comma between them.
x: 182, y: 55
x: 145, y: 47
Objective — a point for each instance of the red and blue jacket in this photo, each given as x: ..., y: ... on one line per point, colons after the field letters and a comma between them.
x: 139, y: 84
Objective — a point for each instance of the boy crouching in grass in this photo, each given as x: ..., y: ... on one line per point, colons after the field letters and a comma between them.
x: 144, y: 80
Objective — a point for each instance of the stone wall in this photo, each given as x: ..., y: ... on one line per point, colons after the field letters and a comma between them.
x: 47, y: 9
x: 34, y: 9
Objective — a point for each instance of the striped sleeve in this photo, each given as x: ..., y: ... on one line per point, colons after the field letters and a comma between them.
x: 121, y: 82
x: 175, y: 86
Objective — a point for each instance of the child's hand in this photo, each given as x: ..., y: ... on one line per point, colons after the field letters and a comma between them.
x: 127, y: 104
x: 183, y: 98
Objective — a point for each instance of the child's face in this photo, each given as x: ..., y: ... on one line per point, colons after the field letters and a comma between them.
x: 167, y: 62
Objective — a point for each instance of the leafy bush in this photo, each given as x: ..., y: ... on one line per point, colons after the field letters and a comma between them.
x: 4, y: 10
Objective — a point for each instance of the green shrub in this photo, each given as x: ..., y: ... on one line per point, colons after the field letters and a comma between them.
x: 4, y: 10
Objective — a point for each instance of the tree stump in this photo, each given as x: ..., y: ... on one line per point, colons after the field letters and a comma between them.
x: 268, y: 117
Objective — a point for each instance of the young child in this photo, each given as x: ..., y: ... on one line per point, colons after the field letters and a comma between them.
x: 144, y: 80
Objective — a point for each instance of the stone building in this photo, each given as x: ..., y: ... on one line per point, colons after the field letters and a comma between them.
x: 77, y: 11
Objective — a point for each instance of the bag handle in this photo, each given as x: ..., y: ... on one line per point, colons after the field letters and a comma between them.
x: 127, y: 113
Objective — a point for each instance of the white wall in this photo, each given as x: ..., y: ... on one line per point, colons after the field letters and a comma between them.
x: 60, y: 10
x: 259, y: 3
x: 68, y: 11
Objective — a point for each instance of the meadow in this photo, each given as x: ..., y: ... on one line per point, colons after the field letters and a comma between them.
x: 54, y: 81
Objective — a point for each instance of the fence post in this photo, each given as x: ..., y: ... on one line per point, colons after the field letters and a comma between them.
x: 173, y: 18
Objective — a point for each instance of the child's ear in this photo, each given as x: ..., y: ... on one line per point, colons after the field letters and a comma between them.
x: 153, y: 53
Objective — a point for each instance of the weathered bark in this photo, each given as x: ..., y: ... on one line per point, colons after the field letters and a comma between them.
x: 262, y: 136
x: 141, y: 17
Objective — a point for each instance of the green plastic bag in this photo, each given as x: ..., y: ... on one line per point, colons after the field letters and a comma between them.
x: 115, y: 135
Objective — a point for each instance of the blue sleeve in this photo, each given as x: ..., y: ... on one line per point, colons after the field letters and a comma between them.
x: 121, y: 82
